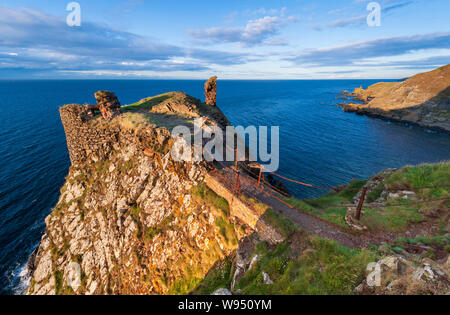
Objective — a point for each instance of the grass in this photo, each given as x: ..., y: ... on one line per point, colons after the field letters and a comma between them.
x: 152, y: 231
x: 58, y: 281
x: 147, y: 103
x: 219, y: 276
x: 324, y: 207
x: 392, y: 219
x: 140, y: 120
x: 402, y: 212
x: 434, y: 241
x: 375, y: 194
x: 210, y: 197
x: 209, y: 268
x: 325, y: 267
x: 415, y: 177
x: 282, y: 224
x: 226, y: 230
x: 201, y: 278
x: 131, y: 121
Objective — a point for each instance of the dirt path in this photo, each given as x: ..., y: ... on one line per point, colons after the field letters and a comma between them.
x: 305, y: 221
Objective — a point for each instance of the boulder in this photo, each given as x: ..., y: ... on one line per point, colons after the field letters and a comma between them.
x: 399, y: 275
x: 221, y: 291
x: 266, y: 278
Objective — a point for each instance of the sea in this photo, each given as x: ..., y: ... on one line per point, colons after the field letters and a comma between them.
x: 318, y: 144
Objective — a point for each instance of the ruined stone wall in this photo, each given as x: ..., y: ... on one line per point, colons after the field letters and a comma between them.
x: 244, y: 212
x: 83, y: 140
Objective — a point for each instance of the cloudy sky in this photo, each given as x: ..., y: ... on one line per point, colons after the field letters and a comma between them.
x: 234, y: 39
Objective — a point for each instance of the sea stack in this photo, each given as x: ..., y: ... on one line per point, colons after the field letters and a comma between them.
x: 108, y: 104
x: 211, y: 91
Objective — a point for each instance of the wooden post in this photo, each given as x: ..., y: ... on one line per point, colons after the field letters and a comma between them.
x: 361, y: 202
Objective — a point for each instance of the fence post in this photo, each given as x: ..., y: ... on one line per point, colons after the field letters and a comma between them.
x: 361, y: 202
x: 259, y: 178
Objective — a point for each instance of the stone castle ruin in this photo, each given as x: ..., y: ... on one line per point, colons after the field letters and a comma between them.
x: 82, y: 139
x: 85, y: 139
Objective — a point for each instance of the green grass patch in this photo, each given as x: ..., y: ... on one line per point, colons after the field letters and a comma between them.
x: 324, y: 268
x: 219, y: 276
x: 352, y: 189
x: 59, y: 281
x: 374, y: 194
x: 282, y: 224
x: 394, y: 218
x: 210, y: 197
x: 226, y: 230
x: 434, y: 241
x: 399, y: 212
x: 326, y: 207
x: 184, y: 286
x: 425, y: 175
x: 147, y: 103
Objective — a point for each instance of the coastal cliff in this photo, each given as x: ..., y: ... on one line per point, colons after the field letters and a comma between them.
x: 423, y: 99
x: 132, y: 220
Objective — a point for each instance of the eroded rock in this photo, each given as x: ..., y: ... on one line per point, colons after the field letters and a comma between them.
x: 108, y: 104
x: 211, y: 91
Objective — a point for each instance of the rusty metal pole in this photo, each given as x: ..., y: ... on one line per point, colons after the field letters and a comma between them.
x: 361, y: 202
x: 259, y: 178
x: 236, y: 158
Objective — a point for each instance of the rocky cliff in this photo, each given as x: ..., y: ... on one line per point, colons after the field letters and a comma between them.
x: 423, y: 99
x: 130, y: 219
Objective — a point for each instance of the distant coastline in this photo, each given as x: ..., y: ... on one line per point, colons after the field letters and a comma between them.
x: 422, y: 100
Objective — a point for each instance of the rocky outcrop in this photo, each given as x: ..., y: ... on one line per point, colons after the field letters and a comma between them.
x: 178, y: 103
x: 108, y: 104
x: 423, y: 99
x: 211, y: 91
x: 394, y: 275
x: 130, y: 219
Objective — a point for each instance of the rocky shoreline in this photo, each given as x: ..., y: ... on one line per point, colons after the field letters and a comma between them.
x: 422, y: 100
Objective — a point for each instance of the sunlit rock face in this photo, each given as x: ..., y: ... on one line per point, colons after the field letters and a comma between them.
x: 211, y: 91
x: 108, y: 104
x: 423, y: 99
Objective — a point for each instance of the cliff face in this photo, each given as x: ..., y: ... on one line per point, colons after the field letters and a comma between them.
x: 108, y: 218
x: 129, y: 219
x: 423, y: 99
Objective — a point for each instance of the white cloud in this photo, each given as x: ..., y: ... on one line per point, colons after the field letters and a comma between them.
x: 259, y: 31
x: 31, y: 39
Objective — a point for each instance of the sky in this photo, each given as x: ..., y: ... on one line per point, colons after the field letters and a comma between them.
x: 245, y: 39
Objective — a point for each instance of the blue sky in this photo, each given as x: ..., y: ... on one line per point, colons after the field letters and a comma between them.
x: 246, y: 39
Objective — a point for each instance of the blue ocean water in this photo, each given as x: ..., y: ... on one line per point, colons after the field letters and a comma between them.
x: 319, y: 144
